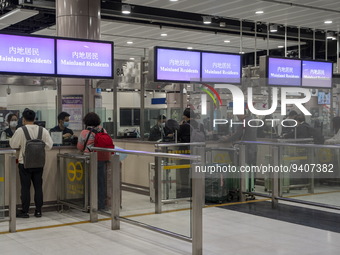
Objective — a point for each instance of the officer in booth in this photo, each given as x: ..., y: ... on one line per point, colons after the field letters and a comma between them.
x: 63, y: 123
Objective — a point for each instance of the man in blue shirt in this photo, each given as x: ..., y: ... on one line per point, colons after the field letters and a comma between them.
x: 63, y: 123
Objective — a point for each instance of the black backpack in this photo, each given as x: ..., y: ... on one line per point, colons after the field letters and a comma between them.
x: 34, y: 156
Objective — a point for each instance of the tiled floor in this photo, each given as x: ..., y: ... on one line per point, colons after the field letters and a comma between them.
x: 225, y: 232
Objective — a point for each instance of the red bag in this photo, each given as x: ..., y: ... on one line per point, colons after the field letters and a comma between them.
x: 103, y: 140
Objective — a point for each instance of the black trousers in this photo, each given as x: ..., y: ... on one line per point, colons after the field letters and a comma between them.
x: 26, y: 176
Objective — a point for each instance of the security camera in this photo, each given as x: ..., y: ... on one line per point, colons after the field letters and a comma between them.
x: 8, y: 90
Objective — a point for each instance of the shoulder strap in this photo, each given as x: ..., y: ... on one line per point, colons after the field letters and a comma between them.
x: 87, y: 139
x: 27, y: 135
x: 40, y: 133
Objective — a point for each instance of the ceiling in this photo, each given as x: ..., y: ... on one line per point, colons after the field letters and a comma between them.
x: 303, y: 13
x: 182, y: 22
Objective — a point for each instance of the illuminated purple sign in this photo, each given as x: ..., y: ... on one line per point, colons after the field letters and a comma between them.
x: 177, y: 65
x: 83, y: 58
x: 285, y: 72
x: 317, y: 74
x: 25, y: 54
x: 217, y: 67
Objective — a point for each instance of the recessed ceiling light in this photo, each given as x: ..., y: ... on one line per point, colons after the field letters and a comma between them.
x: 164, y: 34
x: 126, y: 9
x: 190, y: 48
x: 129, y: 42
x: 328, y: 22
x: 280, y: 46
x: 206, y: 20
x: 273, y: 28
x: 132, y: 58
x: 241, y: 52
x: 227, y: 41
x: 173, y: 0
x: 259, y: 12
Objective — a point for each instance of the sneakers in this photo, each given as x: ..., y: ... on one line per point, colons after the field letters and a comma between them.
x: 22, y: 214
x: 37, y: 213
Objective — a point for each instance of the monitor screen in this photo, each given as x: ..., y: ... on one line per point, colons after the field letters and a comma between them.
x: 324, y: 98
x: 284, y: 72
x: 84, y: 58
x: 177, y: 65
x: 317, y: 74
x: 27, y: 55
x: 219, y: 67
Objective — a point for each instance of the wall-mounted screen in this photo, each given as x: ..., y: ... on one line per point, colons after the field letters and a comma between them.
x: 218, y: 67
x: 324, y: 98
x: 284, y: 72
x: 84, y: 58
x: 317, y: 74
x: 177, y: 65
x: 26, y: 55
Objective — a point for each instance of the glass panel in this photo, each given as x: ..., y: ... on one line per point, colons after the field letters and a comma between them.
x: 175, y: 192
x: 2, y: 186
x: 151, y: 123
x: 73, y: 184
x: 317, y: 178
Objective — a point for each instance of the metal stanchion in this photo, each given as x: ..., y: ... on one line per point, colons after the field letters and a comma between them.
x: 275, y: 178
x: 93, y: 187
x: 158, y: 185
x: 197, y: 211
x: 311, y: 156
x: 115, y: 198
x: 243, y: 182
x: 12, y: 193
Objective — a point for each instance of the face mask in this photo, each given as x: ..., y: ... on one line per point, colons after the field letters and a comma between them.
x: 13, y: 123
x: 66, y: 124
x: 163, y: 125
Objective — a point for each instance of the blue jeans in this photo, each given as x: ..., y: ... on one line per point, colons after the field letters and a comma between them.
x: 101, y: 184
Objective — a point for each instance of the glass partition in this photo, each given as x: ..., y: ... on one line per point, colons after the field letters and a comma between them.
x: 2, y: 186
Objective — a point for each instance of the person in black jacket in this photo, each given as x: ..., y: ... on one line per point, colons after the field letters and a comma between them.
x: 189, y: 123
x: 301, y: 130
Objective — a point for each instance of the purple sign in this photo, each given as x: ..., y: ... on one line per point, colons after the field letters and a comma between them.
x: 317, y: 74
x: 285, y: 72
x: 83, y: 58
x: 217, y: 67
x: 178, y: 65
x: 26, y: 54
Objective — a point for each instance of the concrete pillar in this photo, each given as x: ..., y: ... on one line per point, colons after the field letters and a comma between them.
x: 78, y: 19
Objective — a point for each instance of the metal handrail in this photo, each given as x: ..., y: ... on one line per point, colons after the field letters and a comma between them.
x: 73, y: 156
x: 178, y: 144
x: 291, y: 144
x: 153, y: 154
x: 12, y: 188
x: 197, y: 195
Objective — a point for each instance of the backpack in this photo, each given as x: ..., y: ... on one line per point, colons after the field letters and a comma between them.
x: 102, y: 140
x: 34, y: 156
x: 196, y: 134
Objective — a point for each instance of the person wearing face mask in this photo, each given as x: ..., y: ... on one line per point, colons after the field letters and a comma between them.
x: 63, y: 123
x: 12, y: 120
x: 157, y: 131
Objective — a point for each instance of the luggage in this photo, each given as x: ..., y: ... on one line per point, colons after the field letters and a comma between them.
x: 221, y: 187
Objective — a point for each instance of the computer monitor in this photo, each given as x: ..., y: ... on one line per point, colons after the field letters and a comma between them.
x: 40, y: 123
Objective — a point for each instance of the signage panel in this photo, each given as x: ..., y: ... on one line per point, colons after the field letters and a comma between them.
x: 84, y: 58
x: 217, y: 67
x: 284, y: 72
x: 27, y: 55
x: 317, y: 74
x: 177, y: 65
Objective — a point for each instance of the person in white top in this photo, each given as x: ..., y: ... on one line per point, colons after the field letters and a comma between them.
x: 336, y: 127
x: 18, y: 141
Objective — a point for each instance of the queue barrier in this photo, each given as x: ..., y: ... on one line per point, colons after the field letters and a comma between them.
x: 197, y: 195
x: 77, y: 182
x: 314, y: 155
x: 8, y: 164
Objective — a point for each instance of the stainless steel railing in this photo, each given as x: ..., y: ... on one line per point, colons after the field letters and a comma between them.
x: 277, y: 149
x: 12, y: 169
x: 197, y: 197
